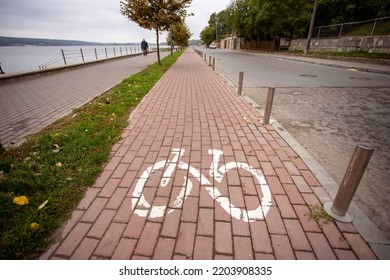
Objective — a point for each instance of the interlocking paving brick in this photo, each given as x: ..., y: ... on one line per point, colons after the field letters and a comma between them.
x: 110, y: 240
x: 102, y: 223
x: 297, y: 235
x: 134, y: 227
x: 109, y: 187
x: 205, y: 222
x: 203, y: 248
x: 125, y: 249
x: 242, y: 248
x: 73, y: 239
x: 116, y: 198
x: 282, y: 247
x: 260, y: 237
x: 190, y: 210
x: 223, y: 238
x: 148, y: 239
x: 274, y: 221
x: 285, y: 207
x: 359, y: 246
x: 301, y: 184
x: 186, y: 239
x: 85, y: 249
x: 125, y: 210
x: 94, y: 210
x: 164, y: 249
x: 293, y: 194
x: 321, y: 246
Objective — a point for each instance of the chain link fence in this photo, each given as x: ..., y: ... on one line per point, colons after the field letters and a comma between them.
x: 379, y: 26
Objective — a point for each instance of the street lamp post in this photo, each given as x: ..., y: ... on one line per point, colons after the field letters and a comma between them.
x: 216, y: 30
x: 313, y: 17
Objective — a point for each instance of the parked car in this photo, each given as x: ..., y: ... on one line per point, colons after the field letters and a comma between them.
x: 212, y: 46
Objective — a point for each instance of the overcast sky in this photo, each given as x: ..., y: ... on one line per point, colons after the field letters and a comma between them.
x: 88, y: 20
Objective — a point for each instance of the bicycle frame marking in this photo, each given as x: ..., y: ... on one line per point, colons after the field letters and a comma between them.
x: 216, y: 173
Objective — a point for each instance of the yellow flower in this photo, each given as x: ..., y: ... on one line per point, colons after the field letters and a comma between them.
x: 34, y: 226
x: 21, y: 200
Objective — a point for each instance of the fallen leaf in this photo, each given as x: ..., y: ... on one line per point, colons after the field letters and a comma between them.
x: 34, y: 226
x: 58, y: 164
x: 69, y: 178
x: 21, y: 200
x: 43, y: 204
x: 37, y: 174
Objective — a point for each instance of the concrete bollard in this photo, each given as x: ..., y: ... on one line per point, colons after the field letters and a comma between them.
x: 353, y: 175
x: 240, y: 82
x: 268, y: 105
x: 213, y: 63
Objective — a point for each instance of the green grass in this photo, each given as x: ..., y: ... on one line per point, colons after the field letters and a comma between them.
x: 358, y: 54
x: 318, y: 214
x: 61, y: 162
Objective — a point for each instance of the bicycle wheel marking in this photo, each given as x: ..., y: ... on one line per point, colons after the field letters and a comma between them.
x: 143, y: 208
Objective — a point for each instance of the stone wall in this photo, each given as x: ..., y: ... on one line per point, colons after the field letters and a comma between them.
x: 372, y: 44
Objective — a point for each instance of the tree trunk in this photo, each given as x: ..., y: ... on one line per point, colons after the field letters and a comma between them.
x: 158, y: 46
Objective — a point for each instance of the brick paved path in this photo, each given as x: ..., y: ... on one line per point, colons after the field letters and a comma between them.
x: 134, y: 209
x: 28, y: 105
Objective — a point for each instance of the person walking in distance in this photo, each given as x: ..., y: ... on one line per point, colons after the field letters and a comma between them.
x: 144, y: 47
x: 1, y: 70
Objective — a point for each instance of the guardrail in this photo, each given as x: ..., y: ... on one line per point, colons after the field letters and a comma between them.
x: 75, y: 56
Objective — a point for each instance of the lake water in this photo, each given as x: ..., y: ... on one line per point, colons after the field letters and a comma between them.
x: 28, y: 58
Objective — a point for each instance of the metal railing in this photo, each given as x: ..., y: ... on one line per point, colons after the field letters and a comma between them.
x: 379, y: 26
x: 65, y: 57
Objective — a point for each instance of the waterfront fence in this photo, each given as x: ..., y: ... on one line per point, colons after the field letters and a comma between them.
x: 65, y: 57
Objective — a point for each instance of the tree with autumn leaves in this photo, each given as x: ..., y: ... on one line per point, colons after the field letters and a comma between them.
x: 158, y: 15
x: 180, y: 35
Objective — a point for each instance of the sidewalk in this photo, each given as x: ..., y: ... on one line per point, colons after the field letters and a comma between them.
x: 28, y: 105
x: 347, y: 63
x: 196, y: 176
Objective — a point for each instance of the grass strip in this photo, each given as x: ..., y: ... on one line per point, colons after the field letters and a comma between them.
x: 353, y: 54
x: 53, y: 168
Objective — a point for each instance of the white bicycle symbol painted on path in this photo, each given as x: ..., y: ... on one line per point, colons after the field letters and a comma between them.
x: 142, y: 206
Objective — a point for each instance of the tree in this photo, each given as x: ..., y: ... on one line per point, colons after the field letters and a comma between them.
x: 273, y: 19
x: 180, y: 35
x: 158, y: 15
x: 207, y: 35
x: 341, y: 11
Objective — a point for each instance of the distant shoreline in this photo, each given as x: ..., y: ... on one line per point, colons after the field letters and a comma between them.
x: 20, y: 42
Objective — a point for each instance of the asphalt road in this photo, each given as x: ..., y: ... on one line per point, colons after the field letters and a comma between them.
x: 328, y: 110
